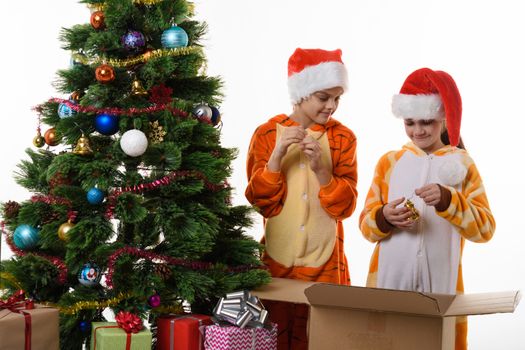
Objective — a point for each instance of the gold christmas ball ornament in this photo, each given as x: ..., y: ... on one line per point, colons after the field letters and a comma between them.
x: 83, y: 148
x: 410, y: 206
x: 97, y: 20
x: 63, y: 230
x: 105, y: 73
x: 51, y: 137
x: 38, y: 140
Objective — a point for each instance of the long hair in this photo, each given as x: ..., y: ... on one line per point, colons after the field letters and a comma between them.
x: 446, y: 140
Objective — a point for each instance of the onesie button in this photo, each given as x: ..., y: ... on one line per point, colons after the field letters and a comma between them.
x: 301, y: 228
x: 302, y: 165
x: 305, y: 196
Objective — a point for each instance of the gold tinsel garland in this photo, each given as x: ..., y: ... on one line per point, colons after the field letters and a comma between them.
x: 101, y: 6
x: 5, y: 276
x: 93, y: 305
x: 180, y: 51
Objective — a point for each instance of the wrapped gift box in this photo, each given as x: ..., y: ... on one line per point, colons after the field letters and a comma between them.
x: 109, y: 336
x: 181, y: 332
x: 235, y: 338
x: 43, y: 331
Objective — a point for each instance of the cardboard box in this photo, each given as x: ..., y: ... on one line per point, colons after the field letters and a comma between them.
x: 343, y: 317
x: 44, y: 329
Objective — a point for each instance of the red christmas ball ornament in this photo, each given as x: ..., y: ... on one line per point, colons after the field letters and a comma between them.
x: 105, y: 73
x: 51, y: 137
x: 97, y: 20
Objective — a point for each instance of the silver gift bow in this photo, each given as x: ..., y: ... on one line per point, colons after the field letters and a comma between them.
x: 241, y: 309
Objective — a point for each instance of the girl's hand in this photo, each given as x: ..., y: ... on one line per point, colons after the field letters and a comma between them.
x: 290, y: 135
x: 430, y: 194
x: 398, y: 217
x: 312, y: 151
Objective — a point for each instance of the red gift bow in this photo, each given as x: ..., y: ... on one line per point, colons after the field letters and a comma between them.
x: 129, y: 322
x: 13, y: 304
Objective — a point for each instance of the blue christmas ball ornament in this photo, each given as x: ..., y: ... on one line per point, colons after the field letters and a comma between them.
x: 133, y: 40
x: 95, y: 196
x: 85, y: 326
x: 26, y: 237
x: 174, y: 37
x: 64, y: 111
x: 89, y: 275
x: 106, y: 124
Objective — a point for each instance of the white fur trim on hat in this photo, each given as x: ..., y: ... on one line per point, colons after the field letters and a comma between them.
x: 452, y: 173
x: 418, y: 106
x: 325, y: 75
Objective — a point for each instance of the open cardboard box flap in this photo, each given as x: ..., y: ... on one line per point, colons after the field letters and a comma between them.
x: 386, y: 300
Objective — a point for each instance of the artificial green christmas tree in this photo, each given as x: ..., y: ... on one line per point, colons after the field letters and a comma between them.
x: 131, y: 208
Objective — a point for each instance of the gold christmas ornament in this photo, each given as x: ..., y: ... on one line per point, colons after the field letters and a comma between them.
x: 157, y: 132
x: 83, y: 148
x: 137, y: 89
x: 410, y: 206
x: 63, y: 230
x: 38, y: 140
x: 76, y: 96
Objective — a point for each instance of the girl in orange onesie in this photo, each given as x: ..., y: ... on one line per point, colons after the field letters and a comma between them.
x: 302, y: 175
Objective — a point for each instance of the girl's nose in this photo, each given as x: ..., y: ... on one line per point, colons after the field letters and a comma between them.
x: 331, y: 104
x: 418, y: 129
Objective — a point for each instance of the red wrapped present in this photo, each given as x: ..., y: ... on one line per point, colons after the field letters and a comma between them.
x: 24, y: 325
x: 181, y: 332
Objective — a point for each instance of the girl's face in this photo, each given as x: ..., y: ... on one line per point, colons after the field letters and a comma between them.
x: 425, y: 134
x: 318, y: 107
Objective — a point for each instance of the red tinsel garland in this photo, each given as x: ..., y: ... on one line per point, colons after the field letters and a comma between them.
x: 50, y: 199
x: 164, y: 181
x: 59, y: 264
x: 130, y: 112
x: 193, y: 265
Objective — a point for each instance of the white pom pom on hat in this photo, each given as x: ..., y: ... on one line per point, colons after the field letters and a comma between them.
x: 429, y: 94
x: 311, y: 70
x: 452, y: 173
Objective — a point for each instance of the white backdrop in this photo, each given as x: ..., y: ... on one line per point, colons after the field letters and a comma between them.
x: 248, y: 44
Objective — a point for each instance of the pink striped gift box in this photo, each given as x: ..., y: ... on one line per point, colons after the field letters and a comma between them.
x: 235, y: 338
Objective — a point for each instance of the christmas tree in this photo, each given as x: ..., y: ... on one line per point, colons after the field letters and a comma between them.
x: 131, y: 206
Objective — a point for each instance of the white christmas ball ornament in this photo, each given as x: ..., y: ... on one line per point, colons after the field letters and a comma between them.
x: 134, y: 143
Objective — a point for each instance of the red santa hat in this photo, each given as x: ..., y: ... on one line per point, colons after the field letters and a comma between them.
x: 311, y: 70
x: 429, y: 94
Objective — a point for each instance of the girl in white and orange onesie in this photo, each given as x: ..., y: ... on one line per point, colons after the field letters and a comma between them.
x: 420, y: 248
